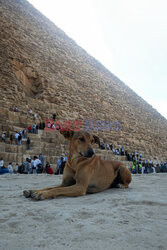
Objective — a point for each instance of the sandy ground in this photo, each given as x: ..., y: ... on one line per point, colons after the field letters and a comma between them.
x: 135, y: 218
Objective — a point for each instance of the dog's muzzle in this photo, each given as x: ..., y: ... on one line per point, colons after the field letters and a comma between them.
x: 89, y: 153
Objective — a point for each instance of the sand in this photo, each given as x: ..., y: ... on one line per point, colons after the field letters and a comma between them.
x: 135, y: 218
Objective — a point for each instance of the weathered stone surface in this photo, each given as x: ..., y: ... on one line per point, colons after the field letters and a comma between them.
x: 43, y: 69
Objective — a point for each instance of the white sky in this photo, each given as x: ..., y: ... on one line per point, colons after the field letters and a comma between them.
x: 129, y: 37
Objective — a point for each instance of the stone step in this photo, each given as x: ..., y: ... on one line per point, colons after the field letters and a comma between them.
x: 11, y: 157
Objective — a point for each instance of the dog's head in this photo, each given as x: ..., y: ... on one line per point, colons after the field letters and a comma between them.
x: 81, y: 143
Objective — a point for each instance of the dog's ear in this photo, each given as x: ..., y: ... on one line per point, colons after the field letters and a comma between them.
x: 97, y: 140
x: 67, y: 134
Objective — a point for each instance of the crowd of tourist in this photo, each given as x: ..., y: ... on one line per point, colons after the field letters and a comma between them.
x: 37, y: 165
x: 139, y: 165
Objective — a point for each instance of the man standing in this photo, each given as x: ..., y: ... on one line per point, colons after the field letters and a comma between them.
x: 11, y: 138
x: 26, y: 166
x: 34, y: 128
x: 42, y: 159
x: 28, y: 143
x: 16, y: 137
x: 3, y: 136
x: 54, y: 117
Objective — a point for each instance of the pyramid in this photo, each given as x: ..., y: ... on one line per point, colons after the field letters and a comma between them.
x: 44, y: 70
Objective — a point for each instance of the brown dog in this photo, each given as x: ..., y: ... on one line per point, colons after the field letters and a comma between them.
x: 84, y: 172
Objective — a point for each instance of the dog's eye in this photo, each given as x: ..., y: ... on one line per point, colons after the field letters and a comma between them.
x: 82, y: 139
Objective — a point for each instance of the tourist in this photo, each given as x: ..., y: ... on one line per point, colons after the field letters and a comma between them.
x: 11, y: 138
x: 40, y: 125
x: 29, y: 129
x: 24, y: 133
x: 65, y: 158
x: 102, y: 146
x: 28, y: 143
x: 53, y: 126
x: 107, y: 146
x: 59, y: 161
x: 49, y: 125
x: 111, y: 146
x: 34, y: 128
x: 62, y: 166
x: 134, y: 168
x: 16, y: 138
x: 140, y: 168
x: 43, y: 125
x: 37, y: 127
x: 15, y: 109
x: 48, y: 168
x: 137, y: 155
x: 10, y: 168
x: 19, y: 138
x: 3, y: 136
x: 54, y: 117
x: 35, y: 116
x: 42, y: 159
x: 1, y: 163
x: 16, y: 168
x: 122, y: 150
x: 32, y: 166
x: 26, y: 166
x: 36, y: 163
x: 117, y: 151
x: 30, y: 111
x: 58, y: 126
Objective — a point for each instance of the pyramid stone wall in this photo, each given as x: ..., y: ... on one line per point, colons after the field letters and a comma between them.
x: 43, y: 69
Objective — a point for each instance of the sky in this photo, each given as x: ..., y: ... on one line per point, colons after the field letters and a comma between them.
x: 129, y: 37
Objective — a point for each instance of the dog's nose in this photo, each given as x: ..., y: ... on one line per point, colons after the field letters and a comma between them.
x: 90, y: 152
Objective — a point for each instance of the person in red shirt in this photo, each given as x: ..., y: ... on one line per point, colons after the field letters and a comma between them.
x: 48, y: 168
x: 29, y: 129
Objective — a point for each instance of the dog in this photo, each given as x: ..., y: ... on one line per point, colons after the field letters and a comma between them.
x: 84, y: 172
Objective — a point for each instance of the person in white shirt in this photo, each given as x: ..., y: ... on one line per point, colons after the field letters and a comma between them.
x: 16, y: 168
x: 10, y: 168
x: 1, y: 163
x: 36, y: 163
x: 16, y: 137
x: 3, y: 137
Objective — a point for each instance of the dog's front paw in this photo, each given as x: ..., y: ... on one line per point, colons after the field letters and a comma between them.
x: 37, y: 196
x: 27, y: 193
